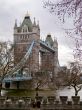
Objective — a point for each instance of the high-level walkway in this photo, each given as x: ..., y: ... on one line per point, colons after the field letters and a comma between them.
x: 14, y: 75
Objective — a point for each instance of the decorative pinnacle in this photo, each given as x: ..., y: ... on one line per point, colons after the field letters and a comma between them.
x: 15, y: 23
x: 49, y: 34
x: 55, y: 39
x: 38, y: 24
x: 27, y: 14
x: 34, y: 22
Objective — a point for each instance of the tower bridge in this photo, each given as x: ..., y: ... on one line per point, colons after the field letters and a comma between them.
x: 31, y: 53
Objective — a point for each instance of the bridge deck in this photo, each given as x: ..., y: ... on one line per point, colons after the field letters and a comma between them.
x: 22, y: 78
x: 46, y: 46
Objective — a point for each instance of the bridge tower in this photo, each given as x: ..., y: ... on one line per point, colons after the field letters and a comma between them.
x: 49, y: 59
x: 56, y: 61
x: 23, y: 37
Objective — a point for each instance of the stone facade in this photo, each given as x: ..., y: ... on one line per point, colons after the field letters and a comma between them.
x: 23, y: 37
x: 44, y: 56
x: 49, y: 103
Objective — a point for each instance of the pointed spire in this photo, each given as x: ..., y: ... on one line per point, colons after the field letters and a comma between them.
x: 38, y: 24
x: 34, y: 22
x: 20, y: 23
x: 27, y: 15
x: 55, y: 42
x: 55, y: 39
x: 15, y: 26
x: 49, y: 40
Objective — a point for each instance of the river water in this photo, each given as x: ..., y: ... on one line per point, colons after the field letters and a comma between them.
x: 68, y: 92
x: 61, y: 92
x: 4, y: 92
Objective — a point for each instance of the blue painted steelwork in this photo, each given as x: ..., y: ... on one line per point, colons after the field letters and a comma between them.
x: 23, y: 78
x: 9, y: 77
x: 22, y: 62
x: 47, y: 46
x: 20, y: 77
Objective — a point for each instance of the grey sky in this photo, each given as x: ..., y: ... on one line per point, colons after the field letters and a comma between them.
x: 16, y: 9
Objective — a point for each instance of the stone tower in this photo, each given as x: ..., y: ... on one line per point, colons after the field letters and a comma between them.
x: 56, y: 61
x: 23, y: 37
x: 49, y: 60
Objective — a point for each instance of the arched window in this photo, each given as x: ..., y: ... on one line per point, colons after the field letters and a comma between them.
x: 25, y: 28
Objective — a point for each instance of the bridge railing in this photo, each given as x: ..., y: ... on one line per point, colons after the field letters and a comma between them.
x: 48, y: 103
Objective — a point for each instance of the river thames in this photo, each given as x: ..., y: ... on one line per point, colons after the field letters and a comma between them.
x: 61, y: 92
x: 68, y: 92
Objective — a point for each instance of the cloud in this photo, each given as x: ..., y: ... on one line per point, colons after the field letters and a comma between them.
x: 65, y: 55
x: 16, y: 9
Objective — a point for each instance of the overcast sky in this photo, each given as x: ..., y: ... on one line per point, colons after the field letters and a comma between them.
x: 16, y: 9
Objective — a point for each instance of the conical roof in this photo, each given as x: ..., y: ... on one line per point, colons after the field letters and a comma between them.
x: 27, y: 22
x: 15, y: 26
x: 49, y: 40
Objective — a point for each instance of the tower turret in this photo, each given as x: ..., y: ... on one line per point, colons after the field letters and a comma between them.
x: 56, y: 62
x: 38, y: 28
x: 15, y: 26
x: 38, y: 25
x: 34, y: 24
x: 27, y: 23
x: 27, y: 32
x: 35, y: 28
x: 55, y: 44
x: 49, y: 40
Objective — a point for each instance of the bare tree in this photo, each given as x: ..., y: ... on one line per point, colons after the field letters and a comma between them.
x: 41, y: 80
x: 74, y: 77
x: 62, y: 77
x: 70, y: 8
x: 65, y: 9
x: 6, y: 59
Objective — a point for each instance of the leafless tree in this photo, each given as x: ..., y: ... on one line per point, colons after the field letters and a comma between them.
x: 41, y: 80
x: 74, y: 77
x: 62, y: 77
x: 70, y: 8
x: 6, y: 59
x: 65, y: 9
x: 71, y: 77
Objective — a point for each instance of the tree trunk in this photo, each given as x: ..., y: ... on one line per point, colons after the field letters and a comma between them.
x: 76, y: 92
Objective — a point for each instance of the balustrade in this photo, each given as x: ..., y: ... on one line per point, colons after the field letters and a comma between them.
x: 44, y: 103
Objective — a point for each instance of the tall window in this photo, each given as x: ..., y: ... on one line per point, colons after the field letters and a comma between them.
x: 25, y: 28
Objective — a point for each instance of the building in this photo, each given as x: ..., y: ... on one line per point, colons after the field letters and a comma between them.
x: 31, y: 57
